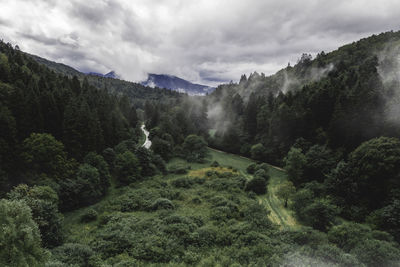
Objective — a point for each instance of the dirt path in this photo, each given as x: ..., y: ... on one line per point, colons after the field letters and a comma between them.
x: 279, y: 214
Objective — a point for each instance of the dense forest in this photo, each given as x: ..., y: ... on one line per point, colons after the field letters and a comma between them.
x: 79, y: 189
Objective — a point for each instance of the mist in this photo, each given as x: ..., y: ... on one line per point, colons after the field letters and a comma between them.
x: 389, y: 72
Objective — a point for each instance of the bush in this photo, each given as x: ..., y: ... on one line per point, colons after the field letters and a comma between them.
x: 187, y: 182
x: 195, y: 148
x: 377, y: 253
x: 162, y: 203
x: 256, y: 185
x: 20, y: 243
x: 210, y: 173
x: 262, y: 166
x: 73, y: 254
x: 261, y: 173
x: 257, y: 151
x: 89, y: 216
x: 134, y: 200
x: 196, y: 200
x: 215, y: 164
x: 127, y: 168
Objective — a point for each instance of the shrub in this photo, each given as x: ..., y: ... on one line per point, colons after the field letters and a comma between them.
x: 162, y: 203
x: 127, y: 168
x: 183, y: 182
x: 134, y: 200
x: 73, y: 254
x: 196, y: 200
x: 261, y: 173
x: 20, y: 243
x: 251, y: 168
x: 262, y: 166
x: 195, y: 148
x: 89, y: 216
x: 256, y: 185
x: 209, y: 173
x: 215, y: 164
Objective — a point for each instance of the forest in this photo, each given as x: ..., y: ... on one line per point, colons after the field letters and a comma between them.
x: 300, y: 168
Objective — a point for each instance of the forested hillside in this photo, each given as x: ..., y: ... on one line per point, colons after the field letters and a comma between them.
x: 137, y: 93
x: 79, y: 189
x: 339, y: 99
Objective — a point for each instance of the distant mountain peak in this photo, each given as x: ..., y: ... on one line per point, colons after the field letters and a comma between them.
x: 111, y: 74
x: 176, y: 84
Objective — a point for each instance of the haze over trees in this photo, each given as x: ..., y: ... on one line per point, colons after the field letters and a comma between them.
x: 79, y: 189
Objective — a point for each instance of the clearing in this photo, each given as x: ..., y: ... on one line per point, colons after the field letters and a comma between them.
x: 279, y: 214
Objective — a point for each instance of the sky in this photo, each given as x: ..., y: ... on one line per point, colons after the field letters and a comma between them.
x: 203, y: 41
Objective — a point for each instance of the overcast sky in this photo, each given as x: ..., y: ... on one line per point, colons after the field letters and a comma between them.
x: 204, y: 41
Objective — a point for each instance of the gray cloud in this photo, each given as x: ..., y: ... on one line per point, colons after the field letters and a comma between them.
x: 204, y: 41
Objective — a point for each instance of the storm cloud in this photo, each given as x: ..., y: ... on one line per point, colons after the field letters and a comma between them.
x: 204, y: 41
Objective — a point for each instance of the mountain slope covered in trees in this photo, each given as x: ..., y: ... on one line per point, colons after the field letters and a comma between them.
x: 137, y: 93
x: 81, y: 190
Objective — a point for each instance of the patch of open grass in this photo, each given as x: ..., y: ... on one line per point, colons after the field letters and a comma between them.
x: 203, y: 172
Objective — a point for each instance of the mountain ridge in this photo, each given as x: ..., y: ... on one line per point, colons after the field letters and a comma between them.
x: 177, y: 84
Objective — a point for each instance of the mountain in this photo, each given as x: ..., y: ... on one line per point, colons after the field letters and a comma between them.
x: 136, y: 92
x: 111, y: 74
x: 177, y: 84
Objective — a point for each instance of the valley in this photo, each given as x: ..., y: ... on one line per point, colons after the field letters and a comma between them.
x: 296, y: 168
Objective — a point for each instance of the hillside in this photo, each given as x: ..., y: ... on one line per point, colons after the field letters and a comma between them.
x: 176, y: 84
x: 79, y: 187
x: 341, y: 99
x: 136, y: 92
x: 201, y: 217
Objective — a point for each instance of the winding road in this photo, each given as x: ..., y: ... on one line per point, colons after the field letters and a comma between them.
x: 147, y: 142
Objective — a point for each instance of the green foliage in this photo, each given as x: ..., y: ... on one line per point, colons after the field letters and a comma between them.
x: 388, y: 218
x: 109, y: 156
x: 20, y: 243
x: 186, y: 182
x: 373, y: 248
x: 301, y: 199
x: 162, y: 203
x: 145, y: 158
x: 257, y: 152
x: 319, y: 161
x: 257, y: 185
x: 45, y: 155
x: 88, y: 178
x: 367, y: 178
x: 320, y: 214
x: 261, y: 173
x: 88, y: 216
x: 251, y: 168
x: 195, y: 148
x: 43, y: 202
x: 214, y: 164
x: 161, y: 147
x: 72, y: 254
x: 127, y: 168
x: 178, y: 169
x: 286, y: 191
x: 294, y: 165
x: 98, y: 162
x: 377, y: 253
x: 87, y: 188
